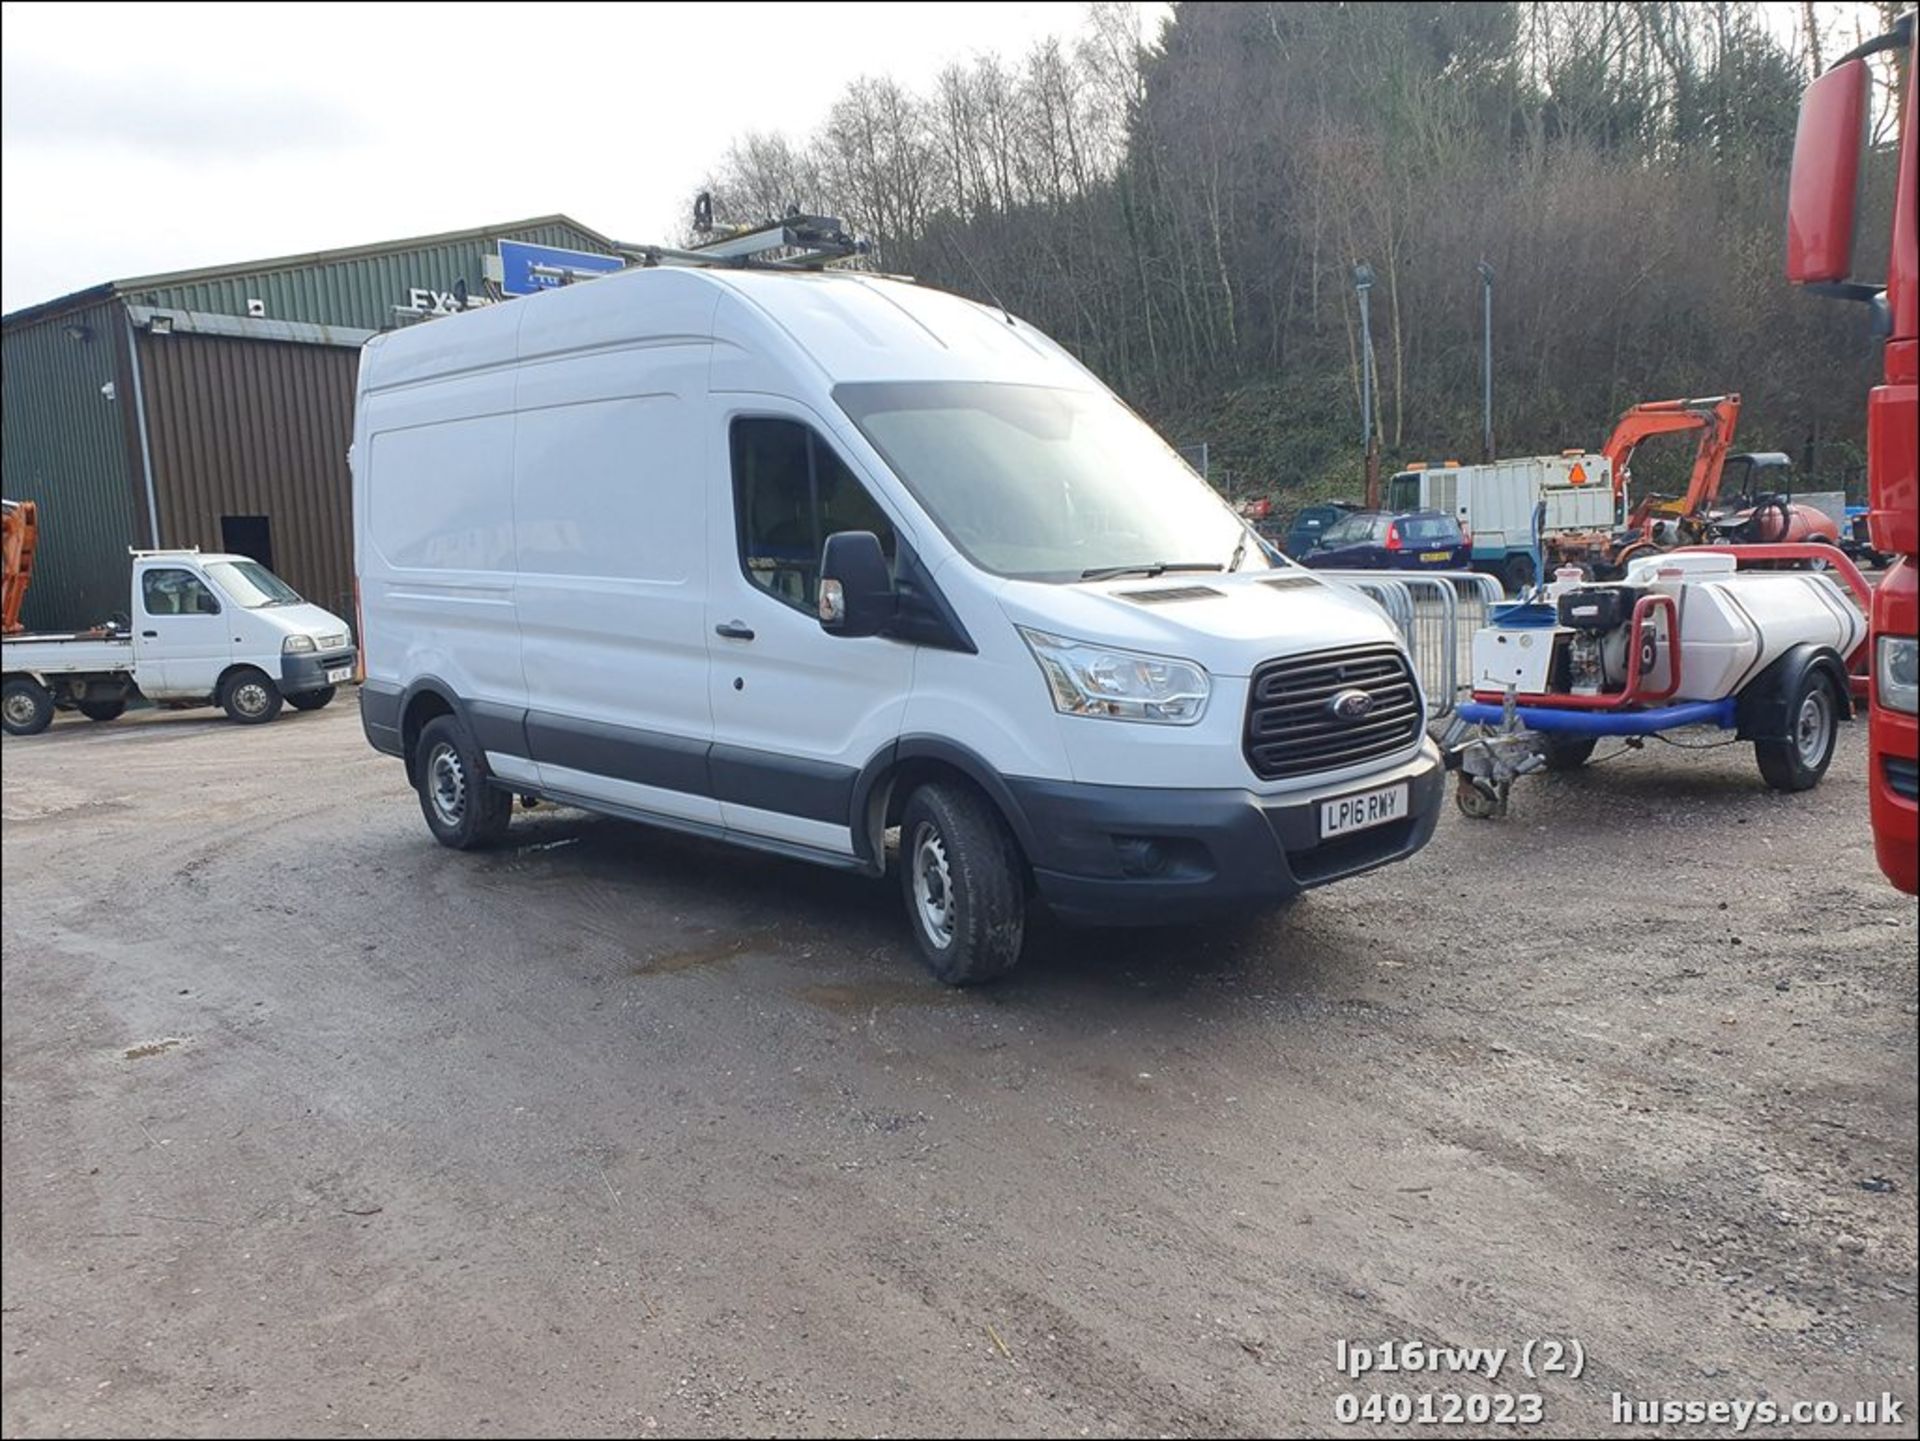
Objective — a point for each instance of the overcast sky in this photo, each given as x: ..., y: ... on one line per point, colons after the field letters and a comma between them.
x: 141, y: 138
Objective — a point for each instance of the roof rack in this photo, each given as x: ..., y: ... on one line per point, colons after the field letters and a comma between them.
x: 798, y: 242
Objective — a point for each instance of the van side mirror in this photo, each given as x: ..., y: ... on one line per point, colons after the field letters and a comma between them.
x: 856, y: 588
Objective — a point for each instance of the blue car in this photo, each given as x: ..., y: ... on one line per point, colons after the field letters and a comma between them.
x: 1382, y: 540
x: 1312, y: 523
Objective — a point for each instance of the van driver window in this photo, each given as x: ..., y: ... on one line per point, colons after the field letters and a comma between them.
x: 176, y: 592
x: 790, y: 492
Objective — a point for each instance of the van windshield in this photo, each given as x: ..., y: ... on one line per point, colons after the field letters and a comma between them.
x: 251, y: 584
x: 1036, y: 483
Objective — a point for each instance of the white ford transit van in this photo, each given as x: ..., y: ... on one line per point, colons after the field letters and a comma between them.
x: 796, y: 559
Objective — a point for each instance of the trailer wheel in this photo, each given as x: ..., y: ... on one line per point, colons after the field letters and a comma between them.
x: 26, y: 708
x: 1799, y: 761
x: 964, y: 883
x: 311, y: 699
x: 249, y: 697
x: 103, y: 710
x: 1566, y: 753
x: 463, y: 810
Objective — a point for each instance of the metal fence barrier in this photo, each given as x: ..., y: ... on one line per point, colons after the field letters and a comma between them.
x: 1437, y: 613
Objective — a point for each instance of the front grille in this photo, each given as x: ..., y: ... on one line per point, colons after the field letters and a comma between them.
x: 1291, y: 727
x: 1903, y: 777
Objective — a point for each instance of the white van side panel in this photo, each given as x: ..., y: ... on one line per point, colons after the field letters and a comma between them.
x: 436, y: 569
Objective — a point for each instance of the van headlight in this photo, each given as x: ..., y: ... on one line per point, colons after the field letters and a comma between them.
x: 296, y: 645
x: 1095, y: 680
x: 1897, y: 661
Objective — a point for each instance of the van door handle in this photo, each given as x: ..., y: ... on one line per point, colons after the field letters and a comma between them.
x: 150, y: 634
x: 734, y: 630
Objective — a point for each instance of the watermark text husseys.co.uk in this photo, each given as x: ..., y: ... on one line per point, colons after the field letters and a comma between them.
x: 1885, y: 1409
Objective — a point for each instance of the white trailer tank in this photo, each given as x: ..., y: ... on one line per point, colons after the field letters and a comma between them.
x: 1735, y: 623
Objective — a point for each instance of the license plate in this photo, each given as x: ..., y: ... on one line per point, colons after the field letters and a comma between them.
x: 1367, y: 808
x: 1436, y: 555
x: 336, y: 677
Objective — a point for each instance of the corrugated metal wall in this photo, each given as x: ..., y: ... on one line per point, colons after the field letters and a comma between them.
x: 358, y: 291
x: 252, y: 427
x: 65, y: 449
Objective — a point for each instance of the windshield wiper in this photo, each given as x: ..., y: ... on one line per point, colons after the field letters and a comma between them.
x: 1147, y: 568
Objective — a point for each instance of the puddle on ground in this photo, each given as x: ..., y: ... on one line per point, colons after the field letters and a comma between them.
x: 151, y: 1048
x: 713, y: 953
x: 856, y: 998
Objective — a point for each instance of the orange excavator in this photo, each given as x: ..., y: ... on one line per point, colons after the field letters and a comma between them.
x: 19, y: 530
x: 1662, y: 522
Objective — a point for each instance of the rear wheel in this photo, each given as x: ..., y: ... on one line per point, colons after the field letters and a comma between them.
x: 1517, y: 573
x: 1799, y: 761
x: 26, y: 708
x: 463, y: 810
x: 964, y: 883
x: 1566, y: 753
x: 311, y: 699
x: 103, y: 710
x: 249, y: 697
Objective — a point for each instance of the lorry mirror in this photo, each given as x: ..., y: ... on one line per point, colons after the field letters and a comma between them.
x: 856, y: 587
x: 1821, y: 201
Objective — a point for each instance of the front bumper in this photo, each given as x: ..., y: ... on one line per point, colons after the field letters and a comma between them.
x: 309, y: 671
x: 1140, y: 855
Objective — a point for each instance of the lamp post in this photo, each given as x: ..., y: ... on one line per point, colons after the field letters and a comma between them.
x: 1370, y: 442
x: 1486, y: 360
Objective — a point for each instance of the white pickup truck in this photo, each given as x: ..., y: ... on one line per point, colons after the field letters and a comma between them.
x: 204, y: 630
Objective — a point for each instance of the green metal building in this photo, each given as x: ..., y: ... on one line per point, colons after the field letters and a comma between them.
x: 215, y: 407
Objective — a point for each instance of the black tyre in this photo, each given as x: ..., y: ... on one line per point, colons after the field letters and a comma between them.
x: 249, y: 697
x: 463, y: 809
x: 1517, y: 573
x: 1566, y: 753
x: 26, y: 708
x: 1813, y: 721
x: 311, y: 699
x: 964, y: 882
x: 103, y: 710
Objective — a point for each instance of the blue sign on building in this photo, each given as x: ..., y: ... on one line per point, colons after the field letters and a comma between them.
x: 517, y: 260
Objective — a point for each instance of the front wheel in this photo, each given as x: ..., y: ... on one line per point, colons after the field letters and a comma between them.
x: 463, y: 809
x: 1798, y: 762
x: 964, y: 882
x: 249, y: 697
x: 26, y: 708
x: 311, y: 699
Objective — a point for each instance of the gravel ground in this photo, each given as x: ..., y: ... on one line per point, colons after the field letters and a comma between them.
x: 312, y: 1126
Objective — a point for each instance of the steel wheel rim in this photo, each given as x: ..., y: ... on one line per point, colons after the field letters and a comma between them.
x: 250, y: 698
x: 1813, y: 727
x: 932, y: 886
x: 447, y: 785
x: 20, y: 709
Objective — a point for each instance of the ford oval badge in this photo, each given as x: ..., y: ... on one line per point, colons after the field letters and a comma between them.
x: 1351, y: 705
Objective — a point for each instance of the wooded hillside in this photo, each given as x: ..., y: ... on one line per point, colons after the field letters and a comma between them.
x: 1184, y: 210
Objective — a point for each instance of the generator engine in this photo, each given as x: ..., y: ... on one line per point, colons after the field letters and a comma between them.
x: 1598, y: 621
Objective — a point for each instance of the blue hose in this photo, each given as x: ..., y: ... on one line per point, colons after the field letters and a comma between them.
x: 1554, y: 720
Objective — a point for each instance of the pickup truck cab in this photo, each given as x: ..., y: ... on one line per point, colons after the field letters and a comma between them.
x: 201, y: 630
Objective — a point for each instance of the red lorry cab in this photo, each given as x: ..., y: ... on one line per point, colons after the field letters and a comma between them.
x: 1821, y: 211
